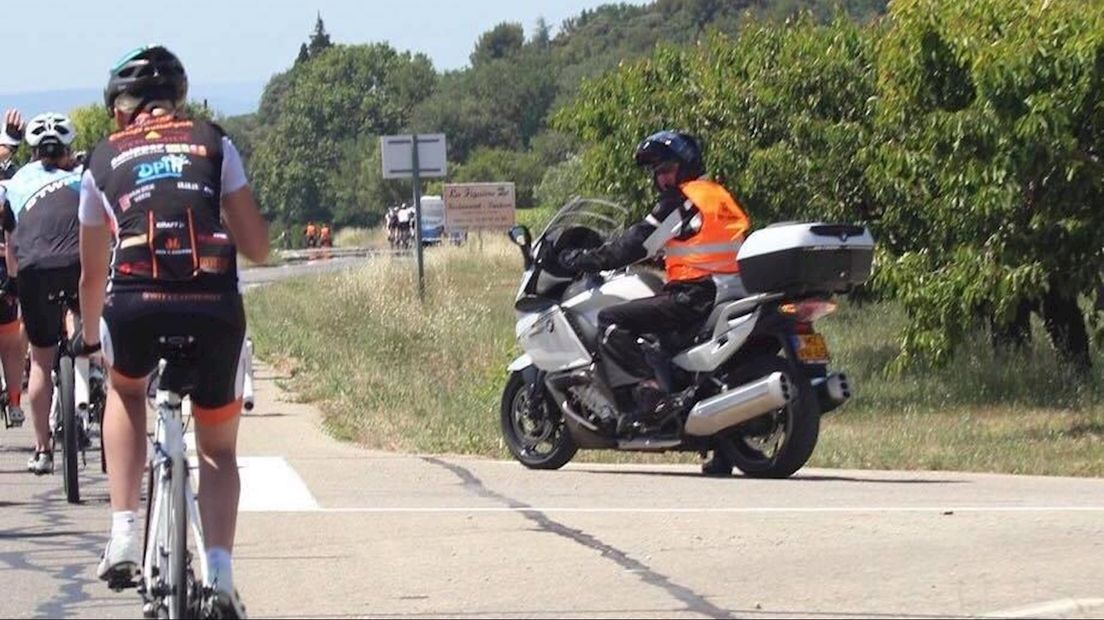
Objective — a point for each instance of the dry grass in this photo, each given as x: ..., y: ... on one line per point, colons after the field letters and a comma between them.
x: 360, y: 237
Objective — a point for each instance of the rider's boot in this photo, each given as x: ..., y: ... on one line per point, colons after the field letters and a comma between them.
x: 122, y: 559
x: 720, y: 465
x: 649, y: 400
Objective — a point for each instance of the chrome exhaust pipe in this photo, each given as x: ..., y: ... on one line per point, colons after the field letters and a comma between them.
x: 739, y: 405
x: 832, y: 392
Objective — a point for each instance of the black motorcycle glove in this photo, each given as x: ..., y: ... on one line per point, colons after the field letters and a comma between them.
x: 78, y: 347
x: 581, y: 261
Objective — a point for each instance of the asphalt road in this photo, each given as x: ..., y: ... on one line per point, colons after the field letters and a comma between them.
x: 331, y: 530
x: 263, y: 275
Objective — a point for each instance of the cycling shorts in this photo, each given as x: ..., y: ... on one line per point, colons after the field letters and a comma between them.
x: 134, y: 320
x: 38, y: 293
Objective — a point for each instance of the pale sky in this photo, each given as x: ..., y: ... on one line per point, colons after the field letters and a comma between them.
x: 70, y: 44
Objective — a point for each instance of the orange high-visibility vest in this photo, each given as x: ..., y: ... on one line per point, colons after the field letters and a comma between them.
x: 713, y: 249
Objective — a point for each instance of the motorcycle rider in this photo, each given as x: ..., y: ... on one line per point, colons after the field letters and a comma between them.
x: 699, y: 227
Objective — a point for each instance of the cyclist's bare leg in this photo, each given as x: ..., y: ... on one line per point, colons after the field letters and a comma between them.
x: 219, y: 484
x: 124, y: 436
x: 219, y: 488
x: 41, y: 391
x: 13, y: 349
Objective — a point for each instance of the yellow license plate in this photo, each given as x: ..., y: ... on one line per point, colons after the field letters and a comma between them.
x: 811, y: 349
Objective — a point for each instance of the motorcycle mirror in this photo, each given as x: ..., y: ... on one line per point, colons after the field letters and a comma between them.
x: 520, y: 236
x: 523, y: 239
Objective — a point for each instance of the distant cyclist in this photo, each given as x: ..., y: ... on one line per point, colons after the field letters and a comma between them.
x: 311, y: 234
x: 391, y: 221
x: 41, y: 228
x: 175, y: 191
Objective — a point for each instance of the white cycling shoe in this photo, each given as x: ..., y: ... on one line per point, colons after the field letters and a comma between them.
x: 121, y: 561
x: 223, y: 605
x: 41, y: 463
x: 16, y: 415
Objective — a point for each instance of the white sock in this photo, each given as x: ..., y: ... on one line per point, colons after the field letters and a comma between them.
x: 124, y: 523
x: 220, y: 573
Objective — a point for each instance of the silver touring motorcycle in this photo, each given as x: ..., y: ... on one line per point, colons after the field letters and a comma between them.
x: 749, y: 384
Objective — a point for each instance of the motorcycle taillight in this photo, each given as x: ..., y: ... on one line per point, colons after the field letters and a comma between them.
x: 808, y: 311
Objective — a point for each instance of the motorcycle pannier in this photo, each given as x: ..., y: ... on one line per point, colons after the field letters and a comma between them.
x: 806, y: 259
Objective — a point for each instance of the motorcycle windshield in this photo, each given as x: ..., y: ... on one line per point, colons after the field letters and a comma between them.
x: 603, y: 217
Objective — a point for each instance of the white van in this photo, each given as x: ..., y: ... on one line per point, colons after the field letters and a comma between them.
x: 433, y: 219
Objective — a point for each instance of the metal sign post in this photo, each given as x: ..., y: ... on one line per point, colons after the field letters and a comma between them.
x: 413, y: 157
x: 418, y: 218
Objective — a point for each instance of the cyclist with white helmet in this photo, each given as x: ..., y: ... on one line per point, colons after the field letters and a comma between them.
x: 41, y: 231
x: 175, y: 194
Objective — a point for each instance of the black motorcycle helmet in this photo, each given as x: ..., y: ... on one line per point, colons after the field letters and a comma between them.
x: 672, y: 146
x: 150, y: 73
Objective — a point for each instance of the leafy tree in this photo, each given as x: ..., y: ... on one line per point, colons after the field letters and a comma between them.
x: 560, y: 184
x: 93, y: 124
x: 990, y: 166
x: 503, y: 41
x: 498, y: 165
x: 320, y: 39
x: 542, y: 34
x: 337, y: 98
x: 781, y: 114
x: 304, y: 54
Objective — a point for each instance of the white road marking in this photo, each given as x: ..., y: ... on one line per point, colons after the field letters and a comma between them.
x: 706, y: 510
x: 269, y: 484
x: 1051, y: 609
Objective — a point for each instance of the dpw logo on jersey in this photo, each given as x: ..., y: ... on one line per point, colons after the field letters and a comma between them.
x: 168, y: 167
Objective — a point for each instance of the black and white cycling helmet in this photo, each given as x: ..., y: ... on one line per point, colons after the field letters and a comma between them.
x: 150, y: 73
x: 50, y: 128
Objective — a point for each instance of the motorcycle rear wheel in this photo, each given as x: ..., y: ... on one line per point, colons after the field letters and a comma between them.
x: 537, y: 442
x: 779, y: 444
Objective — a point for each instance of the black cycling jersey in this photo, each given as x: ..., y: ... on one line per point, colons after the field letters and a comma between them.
x: 40, y: 210
x: 162, y: 180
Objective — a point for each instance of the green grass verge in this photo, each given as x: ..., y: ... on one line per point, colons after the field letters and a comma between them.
x: 390, y: 372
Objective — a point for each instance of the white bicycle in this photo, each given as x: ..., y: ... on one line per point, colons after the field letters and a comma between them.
x: 168, y: 584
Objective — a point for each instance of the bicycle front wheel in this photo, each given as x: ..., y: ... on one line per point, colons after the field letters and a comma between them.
x: 178, y: 542
x: 70, y: 433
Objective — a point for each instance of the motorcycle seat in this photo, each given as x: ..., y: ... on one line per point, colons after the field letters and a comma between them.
x: 732, y: 310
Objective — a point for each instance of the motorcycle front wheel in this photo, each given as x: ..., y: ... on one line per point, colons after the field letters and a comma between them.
x: 535, y: 433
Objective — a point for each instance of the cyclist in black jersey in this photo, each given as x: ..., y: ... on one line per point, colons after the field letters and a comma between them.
x: 176, y: 195
x: 40, y: 223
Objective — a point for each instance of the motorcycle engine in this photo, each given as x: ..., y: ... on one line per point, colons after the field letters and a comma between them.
x: 592, y: 401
